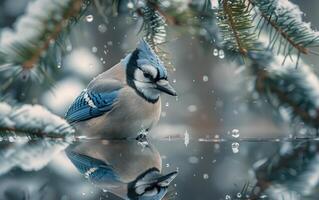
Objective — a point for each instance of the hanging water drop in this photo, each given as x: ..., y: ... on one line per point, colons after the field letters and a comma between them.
x: 239, y: 195
x: 221, y: 54
x: 167, y: 104
x: 227, y: 197
x: 235, y: 147
x: 205, y: 78
x: 235, y: 133
x: 130, y: 5
x: 215, y: 52
x: 89, y: 18
x: 205, y: 176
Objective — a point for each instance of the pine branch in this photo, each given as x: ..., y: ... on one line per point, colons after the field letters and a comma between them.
x: 292, y: 91
x: 235, y: 22
x: 286, y: 19
x: 33, y: 121
x: 38, y: 36
x: 50, y: 134
x: 153, y: 28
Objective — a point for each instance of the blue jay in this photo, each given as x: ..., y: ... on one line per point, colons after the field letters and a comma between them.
x: 122, y: 167
x: 124, y: 99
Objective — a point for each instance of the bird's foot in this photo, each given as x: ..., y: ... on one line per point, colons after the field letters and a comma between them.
x: 142, y: 139
x: 142, y: 136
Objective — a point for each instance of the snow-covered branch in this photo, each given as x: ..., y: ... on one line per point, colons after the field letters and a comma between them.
x: 50, y: 134
x: 35, y: 43
x: 33, y: 121
x: 294, y: 92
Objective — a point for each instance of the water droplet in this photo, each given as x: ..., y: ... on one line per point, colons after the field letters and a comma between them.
x: 205, y: 176
x: 104, y: 190
x: 69, y: 47
x: 167, y: 104
x: 239, y: 195
x: 235, y: 147
x: 193, y: 160
x: 174, y: 81
x: 205, y: 78
x: 94, y: 49
x: 167, y: 165
x: 303, y: 131
x: 102, y: 28
x: 89, y: 18
x: 130, y: 5
x: 166, y: 3
x: 221, y: 54
x: 235, y: 133
x: 227, y: 197
x: 186, y: 138
x: 11, y: 139
x: 215, y: 52
x: 192, y: 108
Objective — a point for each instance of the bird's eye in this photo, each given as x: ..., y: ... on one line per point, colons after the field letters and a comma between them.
x: 139, y: 75
x: 147, y: 75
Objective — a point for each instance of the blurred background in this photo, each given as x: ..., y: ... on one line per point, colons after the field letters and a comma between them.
x: 214, y: 101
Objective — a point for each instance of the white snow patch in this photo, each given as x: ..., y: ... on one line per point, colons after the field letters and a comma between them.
x: 83, y: 63
x: 63, y: 95
x: 35, y: 154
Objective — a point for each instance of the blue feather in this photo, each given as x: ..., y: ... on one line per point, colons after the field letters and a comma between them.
x: 100, y: 103
x: 146, y: 55
x: 96, y: 170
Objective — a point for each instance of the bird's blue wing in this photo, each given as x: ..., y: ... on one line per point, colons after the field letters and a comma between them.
x: 90, y: 104
x: 94, y: 169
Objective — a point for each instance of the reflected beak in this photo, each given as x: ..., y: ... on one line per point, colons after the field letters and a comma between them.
x: 164, y: 86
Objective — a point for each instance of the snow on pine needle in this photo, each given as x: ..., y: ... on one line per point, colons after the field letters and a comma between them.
x: 290, y: 31
x: 294, y: 92
x: 50, y: 134
x: 37, y: 40
x: 34, y: 120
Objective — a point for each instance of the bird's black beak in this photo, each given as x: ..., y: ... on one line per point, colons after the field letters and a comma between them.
x: 164, y: 86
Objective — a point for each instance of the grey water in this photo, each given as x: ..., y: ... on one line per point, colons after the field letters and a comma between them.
x: 208, y: 168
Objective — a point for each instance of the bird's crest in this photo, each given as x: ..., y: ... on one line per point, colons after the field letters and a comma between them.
x: 146, y: 55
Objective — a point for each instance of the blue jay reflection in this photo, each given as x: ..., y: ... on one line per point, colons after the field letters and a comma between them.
x: 123, y: 168
x: 123, y: 100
